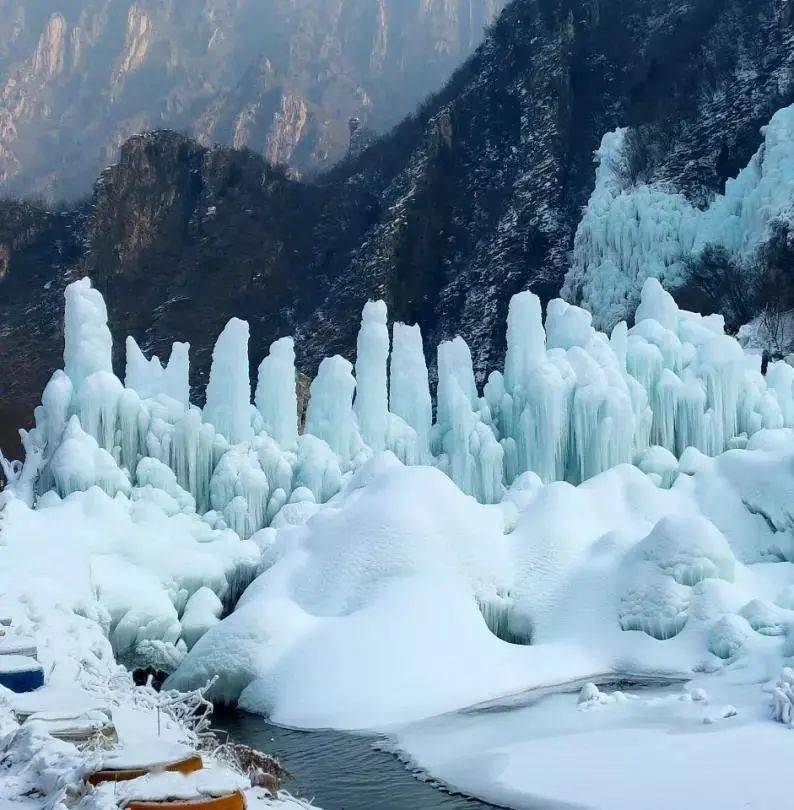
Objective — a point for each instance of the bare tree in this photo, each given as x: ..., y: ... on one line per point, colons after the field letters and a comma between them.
x: 774, y: 331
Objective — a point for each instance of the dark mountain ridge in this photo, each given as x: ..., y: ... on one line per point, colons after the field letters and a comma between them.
x: 475, y: 197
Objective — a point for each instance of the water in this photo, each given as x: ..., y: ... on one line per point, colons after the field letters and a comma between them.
x: 341, y: 771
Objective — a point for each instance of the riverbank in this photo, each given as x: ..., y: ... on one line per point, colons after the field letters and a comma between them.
x: 89, y: 715
x: 81, y: 722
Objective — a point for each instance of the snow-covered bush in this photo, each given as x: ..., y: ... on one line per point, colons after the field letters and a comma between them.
x: 783, y: 698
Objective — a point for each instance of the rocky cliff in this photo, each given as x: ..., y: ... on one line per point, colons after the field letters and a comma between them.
x: 282, y: 77
x: 476, y: 196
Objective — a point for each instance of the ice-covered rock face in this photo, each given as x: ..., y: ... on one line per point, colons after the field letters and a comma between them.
x: 630, y: 234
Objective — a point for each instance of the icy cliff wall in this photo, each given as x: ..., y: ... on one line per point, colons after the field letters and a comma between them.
x: 633, y: 232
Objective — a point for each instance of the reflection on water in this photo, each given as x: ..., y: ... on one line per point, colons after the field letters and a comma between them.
x: 341, y: 771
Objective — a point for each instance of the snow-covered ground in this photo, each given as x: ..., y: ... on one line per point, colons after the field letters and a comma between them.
x: 609, y: 507
x: 86, y: 689
x: 73, y: 578
x: 648, y: 748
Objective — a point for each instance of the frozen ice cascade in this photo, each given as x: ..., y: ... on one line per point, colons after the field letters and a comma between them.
x: 629, y: 234
x: 570, y: 403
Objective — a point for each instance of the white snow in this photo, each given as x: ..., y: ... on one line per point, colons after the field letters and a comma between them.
x: 608, y: 507
x: 374, y: 612
x: 648, y: 748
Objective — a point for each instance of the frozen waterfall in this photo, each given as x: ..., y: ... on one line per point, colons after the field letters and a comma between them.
x: 630, y: 234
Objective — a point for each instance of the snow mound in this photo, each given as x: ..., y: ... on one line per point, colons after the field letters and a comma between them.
x: 404, y: 598
x: 126, y: 563
x: 689, y: 548
x: 729, y: 635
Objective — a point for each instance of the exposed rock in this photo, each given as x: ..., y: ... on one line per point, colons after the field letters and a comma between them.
x: 287, y: 129
x: 282, y: 78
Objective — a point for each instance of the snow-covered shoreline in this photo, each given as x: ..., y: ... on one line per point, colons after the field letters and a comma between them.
x: 118, y: 723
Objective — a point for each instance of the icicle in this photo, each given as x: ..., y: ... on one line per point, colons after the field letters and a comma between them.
x: 526, y: 339
x: 409, y: 389
x: 99, y: 406
x: 229, y: 389
x: 330, y: 413
x: 176, y: 375
x: 88, y: 345
x: 454, y: 367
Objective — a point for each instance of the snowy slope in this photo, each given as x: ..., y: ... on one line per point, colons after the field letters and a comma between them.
x: 377, y: 611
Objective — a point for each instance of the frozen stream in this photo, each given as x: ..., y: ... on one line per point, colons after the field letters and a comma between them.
x: 344, y: 771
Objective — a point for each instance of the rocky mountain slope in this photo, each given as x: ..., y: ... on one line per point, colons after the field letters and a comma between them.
x: 282, y: 77
x: 472, y: 199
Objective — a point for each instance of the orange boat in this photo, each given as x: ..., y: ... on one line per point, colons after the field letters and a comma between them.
x: 185, y: 765
x: 231, y: 801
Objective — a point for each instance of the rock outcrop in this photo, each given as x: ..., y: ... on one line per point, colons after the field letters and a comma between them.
x: 279, y: 77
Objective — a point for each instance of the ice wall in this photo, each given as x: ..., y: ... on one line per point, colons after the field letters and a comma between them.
x: 569, y: 404
x: 629, y: 234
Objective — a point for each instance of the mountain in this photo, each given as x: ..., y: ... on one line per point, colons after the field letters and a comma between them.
x: 475, y: 197
x: 282, y: 77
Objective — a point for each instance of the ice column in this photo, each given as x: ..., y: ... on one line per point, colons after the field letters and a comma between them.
x: 454, y: 367
x: 330, y: 414
x: 148, y: 377
x: 276, y: 398
x: 176, y: 376
x: 88, y: 345
x: 228, y: 405
x: 409, y: 389
x: 526, y: 339
x: 372, y: 355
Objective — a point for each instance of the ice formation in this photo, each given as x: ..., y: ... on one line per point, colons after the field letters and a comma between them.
x: 228, y: 405
x: 630, y: 517
x: 570, y: 403
x: 276, y: 397
x: 629, y: 234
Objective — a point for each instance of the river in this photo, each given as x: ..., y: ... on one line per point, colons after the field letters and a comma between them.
x: 339, y: 770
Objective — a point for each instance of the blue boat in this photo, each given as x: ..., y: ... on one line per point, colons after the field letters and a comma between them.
x: 19, y: 673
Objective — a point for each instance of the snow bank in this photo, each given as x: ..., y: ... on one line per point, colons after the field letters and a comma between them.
x: 126, y: 563
x: 619, y: 750
x: 42, y: 771
x: 630, y: 234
